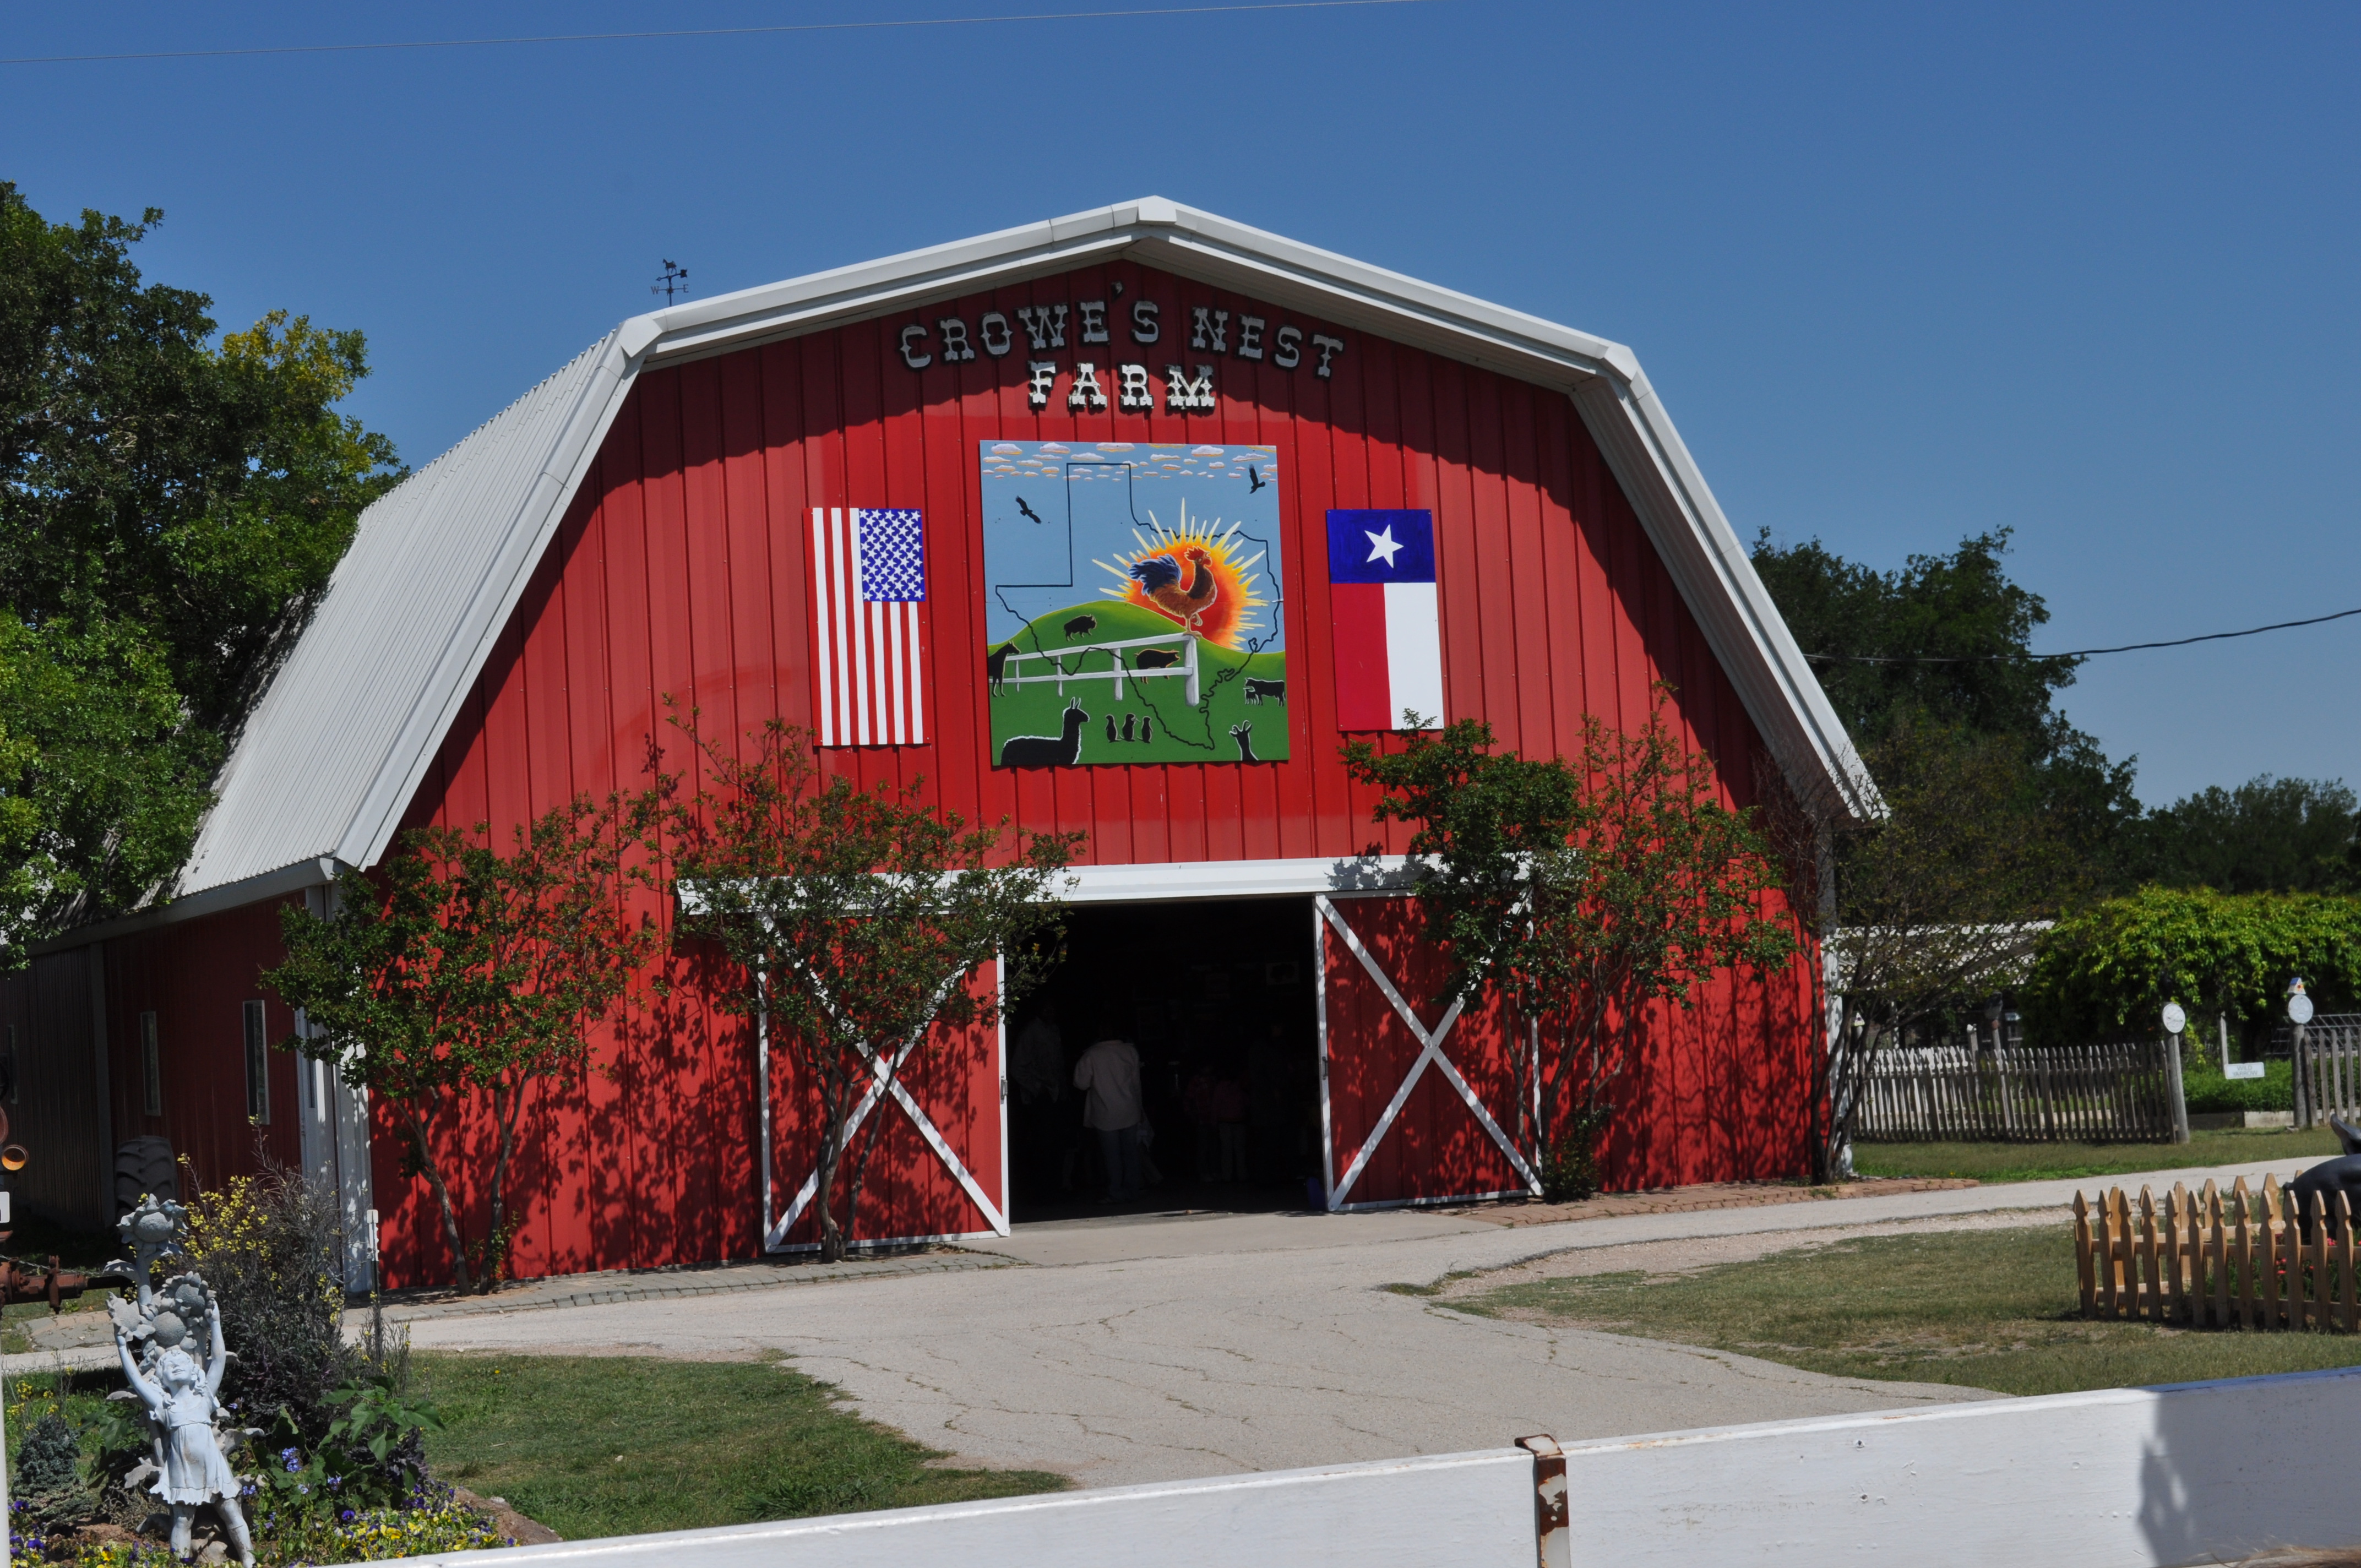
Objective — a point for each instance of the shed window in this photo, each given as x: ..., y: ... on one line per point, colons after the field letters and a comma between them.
x: 257, y: 1068
x: 151, y: 1066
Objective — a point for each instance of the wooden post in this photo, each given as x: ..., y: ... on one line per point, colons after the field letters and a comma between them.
x: 2219, y: 1317
x: 2244, y: 1202
x: 2269, y: 1262
x: 2151, y: 1282
x: 2085, y: 1275
x: 2317, y: 1317
x: 2347, y: 1318
x: 2172, y: 1085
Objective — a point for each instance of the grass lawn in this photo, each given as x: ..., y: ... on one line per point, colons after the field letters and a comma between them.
x: 615, y: 1445
x: 1992, y: 1310
x: 2046, y: 1162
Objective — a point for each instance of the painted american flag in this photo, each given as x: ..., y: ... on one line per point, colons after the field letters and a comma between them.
x: 869, y: 590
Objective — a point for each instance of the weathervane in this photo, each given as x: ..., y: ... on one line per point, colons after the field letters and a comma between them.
x: 674, y: 281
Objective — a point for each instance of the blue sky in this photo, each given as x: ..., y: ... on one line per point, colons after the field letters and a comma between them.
x: 1900, y: 273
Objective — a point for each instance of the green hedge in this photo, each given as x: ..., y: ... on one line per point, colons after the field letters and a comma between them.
x: 2106, y: 973
x: 2275, y: 1090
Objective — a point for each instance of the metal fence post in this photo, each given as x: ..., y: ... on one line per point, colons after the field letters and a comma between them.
x: 2300, y: 1059
x: 1553, y: 1536
x: 2180, y: 1099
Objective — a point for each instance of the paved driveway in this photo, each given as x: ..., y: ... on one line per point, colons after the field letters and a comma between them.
x: 1149, y: 1350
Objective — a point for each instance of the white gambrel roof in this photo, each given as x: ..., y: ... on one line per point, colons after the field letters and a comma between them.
x: 337, y: 748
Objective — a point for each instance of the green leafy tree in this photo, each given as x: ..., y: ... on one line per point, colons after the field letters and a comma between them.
x: 1584, y: 894
x: 1937, y: 903
x: 1947, y: 640
x: 457, y: 971
x: 170, y: 507
x: 2107, y: 970
x: 2268, y: 835
x: 858, y: 919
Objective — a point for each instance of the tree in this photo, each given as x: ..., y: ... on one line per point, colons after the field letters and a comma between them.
x: 1934, y: 906
x: 1947, y: 641
x: 459, y: 970
x: 2108, y: 970
x: 1582, y: 895
x: 2265, y: 836
x: 858, y: 919
x: 170, y: 509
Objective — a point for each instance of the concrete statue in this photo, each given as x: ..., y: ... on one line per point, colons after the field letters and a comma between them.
x: 169, y: 1341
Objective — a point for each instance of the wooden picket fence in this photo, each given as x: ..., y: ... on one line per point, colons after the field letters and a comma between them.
x: 2105, y: 1094
x: 2327, y: 1053
x: 2212, y: 1260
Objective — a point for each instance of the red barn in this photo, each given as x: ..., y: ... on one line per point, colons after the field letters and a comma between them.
x: 1067, y: 521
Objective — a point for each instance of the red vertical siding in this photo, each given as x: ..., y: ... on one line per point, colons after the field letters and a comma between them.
x: 683, y: 574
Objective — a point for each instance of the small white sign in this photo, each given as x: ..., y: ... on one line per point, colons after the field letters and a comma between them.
x: 2300, y: 1008
x: 3, y: 1206
x: 2243, y: 1069
x: 2175, y: 1020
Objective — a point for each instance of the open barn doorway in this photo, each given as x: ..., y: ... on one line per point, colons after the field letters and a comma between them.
x: 1218, y: 997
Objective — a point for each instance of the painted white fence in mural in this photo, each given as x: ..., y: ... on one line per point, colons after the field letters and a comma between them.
x: 2122, y: 1478
x: 1183, y: 666
x: 2121, y: 1093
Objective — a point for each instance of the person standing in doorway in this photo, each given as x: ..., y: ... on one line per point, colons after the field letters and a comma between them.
x: 1108, y: 1073
x: 1037, y: 1064
x: 1230, y: 1124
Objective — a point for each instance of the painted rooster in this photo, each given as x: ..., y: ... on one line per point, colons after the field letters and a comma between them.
x: 1160, y: 578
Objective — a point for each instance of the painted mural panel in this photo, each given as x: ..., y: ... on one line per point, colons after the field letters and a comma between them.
x: 1135, y: 603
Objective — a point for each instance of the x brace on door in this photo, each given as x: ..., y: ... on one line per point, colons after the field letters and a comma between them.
x: 1430, y: 1053
x: 884, y: 1080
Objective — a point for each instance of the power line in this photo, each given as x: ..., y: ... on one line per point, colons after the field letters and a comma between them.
x: 2071, y: 652
x: 713, y: 32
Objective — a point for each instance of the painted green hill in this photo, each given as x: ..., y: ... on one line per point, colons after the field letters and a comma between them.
x: 1163, y: 727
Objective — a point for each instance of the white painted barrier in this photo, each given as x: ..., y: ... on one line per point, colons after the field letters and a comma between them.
x: 1457, y: 1510
x: 2198, y: 1473
x: 2120, y: 1478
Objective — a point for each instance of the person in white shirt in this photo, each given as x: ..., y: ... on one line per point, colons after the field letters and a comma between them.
x: 1109, y: 1074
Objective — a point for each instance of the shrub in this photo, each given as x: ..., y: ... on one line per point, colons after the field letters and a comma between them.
x: 49, y: 1474
x: 2109, y: 970
x: 271, y: 1247
x: 2210, y: 1091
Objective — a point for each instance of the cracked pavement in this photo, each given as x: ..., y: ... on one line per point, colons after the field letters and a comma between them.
x: 1168, y: 1348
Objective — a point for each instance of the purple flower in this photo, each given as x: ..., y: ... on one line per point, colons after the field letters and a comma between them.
x: 289, y: 1455
x: 346, y: 1516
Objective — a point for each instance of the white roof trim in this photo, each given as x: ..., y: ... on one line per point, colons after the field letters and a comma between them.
x: 502, y: 494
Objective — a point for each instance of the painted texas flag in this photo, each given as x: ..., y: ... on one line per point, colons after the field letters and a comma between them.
x: 1389, y: 629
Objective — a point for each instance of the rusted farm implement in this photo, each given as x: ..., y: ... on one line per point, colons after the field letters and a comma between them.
x: 2210, y: 1259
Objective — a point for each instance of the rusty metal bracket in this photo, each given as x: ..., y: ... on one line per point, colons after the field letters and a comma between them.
x: 1553, y: 1540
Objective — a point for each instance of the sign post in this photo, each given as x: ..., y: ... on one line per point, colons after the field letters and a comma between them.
x: 2299, y: 1012
x: 2175, y: 1020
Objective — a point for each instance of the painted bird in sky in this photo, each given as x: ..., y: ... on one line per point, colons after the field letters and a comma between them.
x: 1254, y: 480
x: 1028, y: 512
x: 1160, y: 579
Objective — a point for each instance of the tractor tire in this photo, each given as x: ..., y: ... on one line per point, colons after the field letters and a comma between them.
x: 141, y: 1166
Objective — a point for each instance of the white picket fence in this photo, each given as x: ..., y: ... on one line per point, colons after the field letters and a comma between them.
x: 1060, y: 672
x: 2117, y: 1092
x: 2199, y: 1473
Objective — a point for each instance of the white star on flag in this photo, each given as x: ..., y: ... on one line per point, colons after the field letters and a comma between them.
x: 1384, y: 546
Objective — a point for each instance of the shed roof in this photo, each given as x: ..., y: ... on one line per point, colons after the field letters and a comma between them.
x: 337, y: 748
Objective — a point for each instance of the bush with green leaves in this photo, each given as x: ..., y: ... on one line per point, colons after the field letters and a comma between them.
x: 2107, y: 971
x: 49, y: 1474
x: 2211, y: 1093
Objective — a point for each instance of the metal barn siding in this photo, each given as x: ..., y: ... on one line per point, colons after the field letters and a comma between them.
x: 680, y: 571
x: 60, y: 1107
x: 195, y: 977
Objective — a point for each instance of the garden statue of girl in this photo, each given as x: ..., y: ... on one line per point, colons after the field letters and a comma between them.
x: 181, y: 1399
